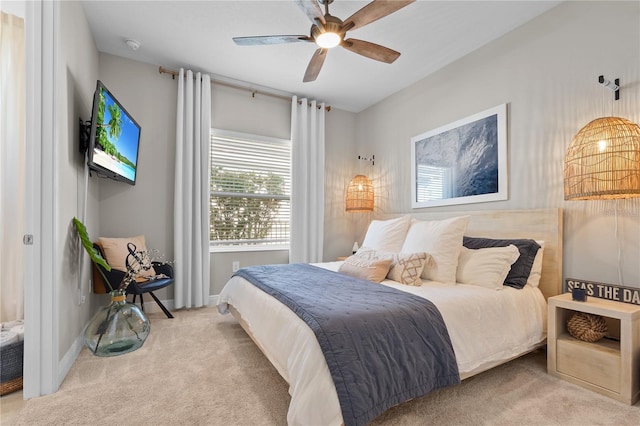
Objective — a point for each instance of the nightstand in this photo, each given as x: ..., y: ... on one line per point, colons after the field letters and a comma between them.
x: 610, y: 366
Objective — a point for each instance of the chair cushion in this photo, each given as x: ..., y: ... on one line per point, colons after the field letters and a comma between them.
x: 153, y: 285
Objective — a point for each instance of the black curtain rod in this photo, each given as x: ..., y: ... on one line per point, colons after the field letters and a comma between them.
x: 173, y: 74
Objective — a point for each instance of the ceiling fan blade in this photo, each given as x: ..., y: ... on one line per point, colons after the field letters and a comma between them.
x: 315, y: 65
x: 372, y: 12
x: 371, y: 50
x: 311, y: 8
x: 273, y: 39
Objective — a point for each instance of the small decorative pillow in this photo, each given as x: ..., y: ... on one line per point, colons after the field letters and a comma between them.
x: 368, y: 269
x: 116, y: 252
x: 486, y: 267
x: 442, y: 239
x: 367, y: 253
x: 387, y: 235
x: 406, y: 268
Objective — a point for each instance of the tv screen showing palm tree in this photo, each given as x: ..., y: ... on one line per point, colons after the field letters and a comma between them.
x: 115, y: 138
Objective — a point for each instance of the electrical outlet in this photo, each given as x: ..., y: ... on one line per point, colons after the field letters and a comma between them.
x: 235, y: 265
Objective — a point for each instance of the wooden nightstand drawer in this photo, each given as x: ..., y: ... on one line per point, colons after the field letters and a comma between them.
x: 596, y: 363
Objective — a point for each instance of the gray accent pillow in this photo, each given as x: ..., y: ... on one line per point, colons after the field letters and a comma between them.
x: 521, y: 268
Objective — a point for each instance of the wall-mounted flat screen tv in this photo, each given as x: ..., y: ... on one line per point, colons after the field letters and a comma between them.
x: 114, y: 138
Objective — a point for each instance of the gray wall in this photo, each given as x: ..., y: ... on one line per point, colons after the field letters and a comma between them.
x: 76, y: 74
x: 147, y: 207
x: 341, y: 164
x: 546, y: 71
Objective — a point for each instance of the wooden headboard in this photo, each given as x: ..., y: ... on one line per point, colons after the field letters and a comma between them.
x: 537, y: 224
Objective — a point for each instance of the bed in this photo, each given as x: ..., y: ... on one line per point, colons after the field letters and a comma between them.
x: 486, y: 327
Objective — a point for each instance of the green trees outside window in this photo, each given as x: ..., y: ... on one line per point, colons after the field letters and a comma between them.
x: 245, y: 205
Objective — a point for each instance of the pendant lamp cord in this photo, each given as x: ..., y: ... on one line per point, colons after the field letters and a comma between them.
x: 615, y: 206
x: 620, y: 282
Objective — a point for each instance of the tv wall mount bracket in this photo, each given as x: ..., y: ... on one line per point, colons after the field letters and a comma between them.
x: 85, y: 131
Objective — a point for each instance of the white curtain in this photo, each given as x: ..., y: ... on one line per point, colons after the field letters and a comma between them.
x: 12, y: 166
x: 307, y: 181
x: 191, y: 199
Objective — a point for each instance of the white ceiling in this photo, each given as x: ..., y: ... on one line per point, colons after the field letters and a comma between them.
x: 198, y: 35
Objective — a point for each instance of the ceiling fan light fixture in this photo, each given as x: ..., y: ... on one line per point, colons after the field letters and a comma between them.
x: 328, y: 40
x: 328, y: 31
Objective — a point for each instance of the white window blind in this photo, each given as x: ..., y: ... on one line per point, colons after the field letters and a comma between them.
x: 433, y: 182
x: 250, y: 190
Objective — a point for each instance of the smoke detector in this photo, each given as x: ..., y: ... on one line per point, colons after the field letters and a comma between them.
x: 133, y: 44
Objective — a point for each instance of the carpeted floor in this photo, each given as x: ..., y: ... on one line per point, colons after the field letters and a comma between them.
x: 202, y: 369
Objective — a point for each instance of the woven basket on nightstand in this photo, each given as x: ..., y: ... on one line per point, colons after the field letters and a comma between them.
x: 587, y: 327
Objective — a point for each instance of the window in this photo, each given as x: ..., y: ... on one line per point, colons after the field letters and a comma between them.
x: 250, y: 191
x: 433, y: 182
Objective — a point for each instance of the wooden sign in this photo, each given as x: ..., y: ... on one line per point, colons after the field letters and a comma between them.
x: 605, y: 291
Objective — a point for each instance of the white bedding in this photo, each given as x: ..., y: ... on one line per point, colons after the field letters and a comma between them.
x: 487, y: 327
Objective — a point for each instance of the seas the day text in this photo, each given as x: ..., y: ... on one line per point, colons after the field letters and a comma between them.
x: 606, y: 291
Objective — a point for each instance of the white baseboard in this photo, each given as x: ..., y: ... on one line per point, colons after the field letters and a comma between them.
x: 150, y: 306
x: 69, y: 358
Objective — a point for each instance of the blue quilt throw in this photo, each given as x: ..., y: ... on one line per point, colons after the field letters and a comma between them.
x: 383, y: 346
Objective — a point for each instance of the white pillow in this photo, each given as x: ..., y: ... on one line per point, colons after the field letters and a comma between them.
x: 442, y: 239
x: 536, y: 268
x: 386, y: 235
x: 486, y: 267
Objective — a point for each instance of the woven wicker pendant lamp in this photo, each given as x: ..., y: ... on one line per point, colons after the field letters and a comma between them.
x: 360, y: 193
x: 603, y: 159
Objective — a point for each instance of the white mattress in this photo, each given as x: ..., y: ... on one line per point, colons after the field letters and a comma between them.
x: 487, y: 328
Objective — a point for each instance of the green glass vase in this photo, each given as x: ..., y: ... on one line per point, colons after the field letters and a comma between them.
x: 118, y: 328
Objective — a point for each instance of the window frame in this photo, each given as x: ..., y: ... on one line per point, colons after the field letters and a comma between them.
x: 214, y: 248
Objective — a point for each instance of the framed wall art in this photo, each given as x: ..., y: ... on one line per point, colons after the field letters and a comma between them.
x: 461, y: 162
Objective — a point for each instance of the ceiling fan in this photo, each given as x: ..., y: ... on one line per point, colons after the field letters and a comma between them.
x: 328, y: 31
